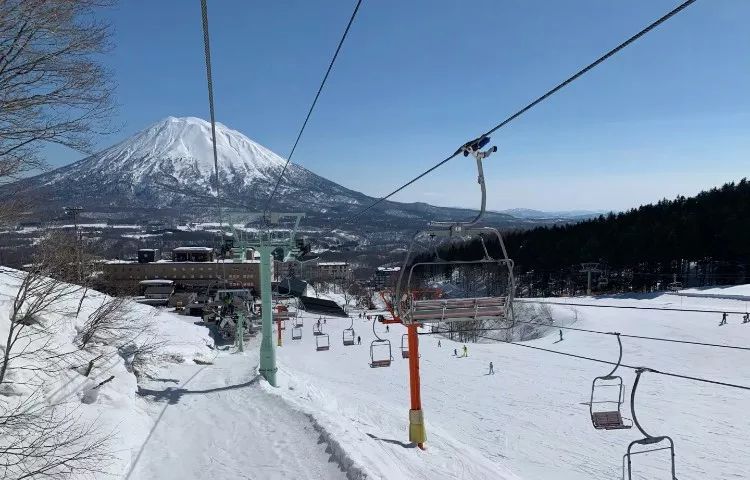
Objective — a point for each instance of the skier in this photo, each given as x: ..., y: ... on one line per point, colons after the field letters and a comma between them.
x: 439, y: 343
x: 387, y: 329
x: 492, y: 369
x: 561, y: 337
x: 746, y: 318
x: 359, y: 340
x: 455, y: 352
x: 723, y: 319
x: 324, y: 321
x: 466, y: 351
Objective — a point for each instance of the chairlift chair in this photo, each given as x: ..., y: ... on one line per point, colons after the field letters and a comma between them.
x: 493, y: 306
x: 347, y: 336
x: 405, y: 346
x: 649, y: 441
x: 317, y: 329
x: 607, y: 414
x: 296, y: 333
x: 380, y: 351
x: 322, y: 342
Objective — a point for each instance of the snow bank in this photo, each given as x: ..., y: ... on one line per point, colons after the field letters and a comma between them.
x: 113, y: 407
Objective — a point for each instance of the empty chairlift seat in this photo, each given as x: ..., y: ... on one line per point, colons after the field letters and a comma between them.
x: 380, y: 353
x: 348, y: 336
x: 405, y: 346
x: 317, y: 329
x: 296, y: 333
x: 322, y: 342
x: 455, y: 309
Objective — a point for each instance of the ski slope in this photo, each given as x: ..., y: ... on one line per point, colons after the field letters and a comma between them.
x: 530, y: 420
x: 215, y: 421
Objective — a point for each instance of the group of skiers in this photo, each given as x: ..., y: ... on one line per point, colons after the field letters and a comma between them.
x: 745, y: 318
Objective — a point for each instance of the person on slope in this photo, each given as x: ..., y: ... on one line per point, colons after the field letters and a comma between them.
x: 746, y: 318
x: 492, y: 369
x: 439, y: 344
x: 723, y: 319
x: 455, y: 352
x: 466, y: 351
x: 359, y: 340
x: 387, y: 328
x: 561, y: 337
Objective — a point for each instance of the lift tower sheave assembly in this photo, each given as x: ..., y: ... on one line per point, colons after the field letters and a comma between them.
x: 269, y: 237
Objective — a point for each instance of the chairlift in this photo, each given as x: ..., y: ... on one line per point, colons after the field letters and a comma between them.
x: 492, y: 305
x: 347, y: 335
x: 380, y: 351
x: 650, y: 442
x: 317, y: 329
x: 298, y: 321
x: 607, y: 414
x: 296, y: 333
x: 405, y: 346
x: 322, y: 342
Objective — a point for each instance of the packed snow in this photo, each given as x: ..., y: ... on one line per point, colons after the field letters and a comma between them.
x: 203, y: 412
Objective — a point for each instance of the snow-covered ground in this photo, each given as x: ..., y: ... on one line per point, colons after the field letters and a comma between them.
x: 530, y: 420
x: 333, y: 416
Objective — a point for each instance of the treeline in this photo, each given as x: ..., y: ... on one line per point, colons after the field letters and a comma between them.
x: 684, y: 238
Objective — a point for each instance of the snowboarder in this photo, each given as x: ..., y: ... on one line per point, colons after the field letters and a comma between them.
x: 561, y: 337
x: 359, y: 340
x: 723, y: 319
x: 439, y: 343
x: 746, y: 318
x: 492, y: 369
x: 466, y: 351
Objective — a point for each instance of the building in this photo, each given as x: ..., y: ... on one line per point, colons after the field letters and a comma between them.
x: 193, y: 254
x: 386, y: 276
x: 190, y: 268
x: 333, y: 271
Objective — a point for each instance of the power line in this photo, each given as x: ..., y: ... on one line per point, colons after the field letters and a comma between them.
x: 209, y: 81
x: 531, y: 105
x: 592, y: 359
x: 309, y: 112
x: 629, y: 307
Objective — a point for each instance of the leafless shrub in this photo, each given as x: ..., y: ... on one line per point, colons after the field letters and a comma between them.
x: 111, y: 323
x: 38, y: 440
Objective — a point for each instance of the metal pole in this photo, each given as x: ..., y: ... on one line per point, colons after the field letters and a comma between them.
x: 240, y: 333
x: 267, y: 349
x: 417, y: 433
x: 588, y: 288
x: 278, y: 330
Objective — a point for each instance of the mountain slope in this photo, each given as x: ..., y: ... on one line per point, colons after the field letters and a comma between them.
x: 170, y: 166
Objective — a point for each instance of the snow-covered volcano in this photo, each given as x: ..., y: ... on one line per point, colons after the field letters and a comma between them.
x: 170, y: 166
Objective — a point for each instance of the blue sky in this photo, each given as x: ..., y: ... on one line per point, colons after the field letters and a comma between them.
x: 669, y: 115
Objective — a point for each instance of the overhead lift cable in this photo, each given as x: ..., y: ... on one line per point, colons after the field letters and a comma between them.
x: 583, y: 357
x: 599, y: 332
x: 312, y: 107
x: 531, y: 105
x: 629, y: 307
x: 209, y: 81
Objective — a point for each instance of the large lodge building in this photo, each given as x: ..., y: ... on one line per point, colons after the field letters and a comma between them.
x: 189, y: 268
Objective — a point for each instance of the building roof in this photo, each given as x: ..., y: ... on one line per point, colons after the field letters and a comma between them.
x: 332, y: 264
x: 389, y: 269
x: 193, y: 249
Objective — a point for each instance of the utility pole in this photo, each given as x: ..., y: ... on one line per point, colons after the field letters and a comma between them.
x: 589, y: 268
